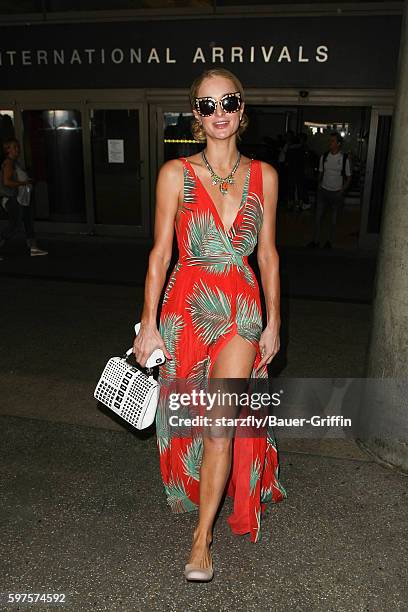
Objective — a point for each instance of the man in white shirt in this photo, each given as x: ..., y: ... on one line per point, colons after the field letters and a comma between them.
x: 334, y: 180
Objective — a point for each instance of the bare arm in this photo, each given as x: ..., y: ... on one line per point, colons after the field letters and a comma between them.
x: 268, y: 261
x: 168, y: 187
x: 8, y: 171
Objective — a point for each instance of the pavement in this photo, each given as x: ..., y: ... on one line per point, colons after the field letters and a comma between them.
x: 83, y: 507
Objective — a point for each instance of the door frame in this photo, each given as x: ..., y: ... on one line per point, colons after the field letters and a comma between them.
x: 370, y: 240
x: 83, y: 101
x: 119, y: 230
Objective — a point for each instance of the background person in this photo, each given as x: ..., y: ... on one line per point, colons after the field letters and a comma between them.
x: 334, y: 180
x: 15, y: 192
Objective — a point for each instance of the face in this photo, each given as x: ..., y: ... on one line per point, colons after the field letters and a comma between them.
x: 13, y: 150
x: 333, y: 144
x: 221, y: 124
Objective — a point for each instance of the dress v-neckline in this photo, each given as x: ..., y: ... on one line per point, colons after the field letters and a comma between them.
x: 241, y: 204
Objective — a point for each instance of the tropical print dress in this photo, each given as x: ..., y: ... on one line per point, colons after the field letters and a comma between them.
x: 212, y: 294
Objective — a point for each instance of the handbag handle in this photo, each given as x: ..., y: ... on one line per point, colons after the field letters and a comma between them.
x: 149, y: 371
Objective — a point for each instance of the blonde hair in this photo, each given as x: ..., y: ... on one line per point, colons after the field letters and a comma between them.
x: 8, y: 143
x: 196, y: 126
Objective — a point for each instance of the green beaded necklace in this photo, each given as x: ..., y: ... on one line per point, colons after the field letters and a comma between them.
x: 215, y: 178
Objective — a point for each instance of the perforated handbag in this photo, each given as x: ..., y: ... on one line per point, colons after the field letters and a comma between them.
x: 128, y: 391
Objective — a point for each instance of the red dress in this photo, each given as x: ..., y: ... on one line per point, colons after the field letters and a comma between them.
x: 212, y: 294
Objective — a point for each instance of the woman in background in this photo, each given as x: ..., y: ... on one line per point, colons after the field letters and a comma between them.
x: 15, y: 192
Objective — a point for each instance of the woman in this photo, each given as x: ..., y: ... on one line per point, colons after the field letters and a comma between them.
x: 220, y: 204
x: 12, y: 179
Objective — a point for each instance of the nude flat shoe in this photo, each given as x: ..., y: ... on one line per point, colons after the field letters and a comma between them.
x: 194, y: 573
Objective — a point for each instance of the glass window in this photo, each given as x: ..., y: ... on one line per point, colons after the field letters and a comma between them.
x: 54, y: 159
x: 117, y: 165
x: 292, y: 139
x: 178, y: 139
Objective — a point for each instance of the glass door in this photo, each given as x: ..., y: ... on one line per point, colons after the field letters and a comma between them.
x: 174, y: 136
x: 118, y: 169
x: 53, y: 154
x: 292, y: 139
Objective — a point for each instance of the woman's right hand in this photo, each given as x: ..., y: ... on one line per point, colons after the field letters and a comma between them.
x: 148, y: 340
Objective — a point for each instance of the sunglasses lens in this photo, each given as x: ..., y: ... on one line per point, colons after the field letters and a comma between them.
x: 206, y: 107
x: 231, y: 104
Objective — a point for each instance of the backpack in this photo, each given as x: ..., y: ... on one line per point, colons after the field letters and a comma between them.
x: 343, y: 169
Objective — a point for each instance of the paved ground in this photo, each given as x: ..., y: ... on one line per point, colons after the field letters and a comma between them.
x: 83, y: 513
x: 83, y: 509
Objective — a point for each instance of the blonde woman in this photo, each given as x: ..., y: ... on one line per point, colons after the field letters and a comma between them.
x: 220, y: 203
x: 12, y: 179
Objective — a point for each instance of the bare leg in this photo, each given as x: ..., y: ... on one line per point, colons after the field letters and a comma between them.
x: 235, y: 360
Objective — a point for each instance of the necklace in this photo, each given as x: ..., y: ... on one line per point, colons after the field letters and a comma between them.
x: 224, y: 182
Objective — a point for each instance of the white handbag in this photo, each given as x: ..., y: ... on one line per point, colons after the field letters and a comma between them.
x: 128, y: 391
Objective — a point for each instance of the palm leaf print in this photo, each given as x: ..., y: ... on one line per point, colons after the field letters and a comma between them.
x: 223, y: 254
x: 262, y: 373
x: 199, y: 233
x: 190, y: 184
x: 233, y: 231
x: 209, y: 247
x: 258, y: 525
x: 251, y: 224
x: 191, y: 459
x: 210, y: 312
x: 177, y: 497
x: 247, y: 275
x: 266, y: 494
x: 170, y: 329
x: 270, y: 439
x: 199, y: 373
x: 171, y: 282
x: 162, y: 425
x: 255, y: 474
x: 249, y: 320
x: 279, y: 487
x: 246, y: 187
x: 189, y: 195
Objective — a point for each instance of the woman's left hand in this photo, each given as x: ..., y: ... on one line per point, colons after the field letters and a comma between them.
x: 269, y: 344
